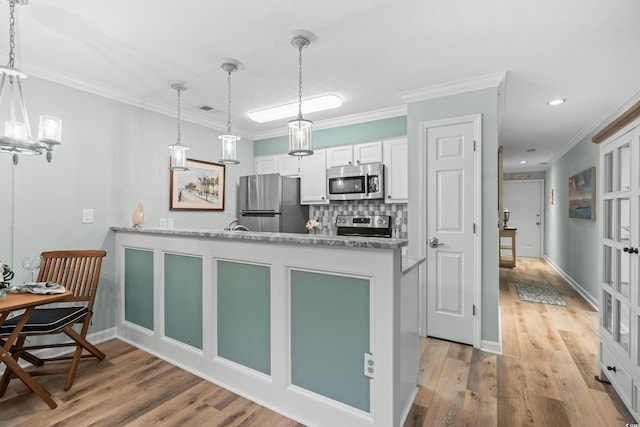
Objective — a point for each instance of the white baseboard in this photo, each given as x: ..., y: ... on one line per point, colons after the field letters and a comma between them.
x: 491, y: 347
x: 575, y: 285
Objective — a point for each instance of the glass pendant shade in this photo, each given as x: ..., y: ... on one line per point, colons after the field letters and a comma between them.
x: 300, y: 137
x: 178, y: 157
x: 178, y: 161
x: 16, y: 138
x: 229, y: 155
x: 300, y: 130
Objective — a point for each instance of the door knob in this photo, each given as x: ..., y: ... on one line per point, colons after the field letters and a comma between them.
x: 433, y: 242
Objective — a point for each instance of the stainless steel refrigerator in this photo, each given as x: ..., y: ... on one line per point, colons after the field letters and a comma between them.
x: 271, y: 202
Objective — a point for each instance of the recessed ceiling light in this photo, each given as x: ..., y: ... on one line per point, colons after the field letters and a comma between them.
x: 522, y: 162
x: 557, y: 101
x: 321, y: 103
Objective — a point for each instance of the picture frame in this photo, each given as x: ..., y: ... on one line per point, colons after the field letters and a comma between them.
x: 582, y: 195
x: 200, y: 188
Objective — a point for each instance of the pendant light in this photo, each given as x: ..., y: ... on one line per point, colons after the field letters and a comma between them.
x: 228, y: 139
x: 300, y: 130
x: 17, y: 138
x: 178, y: 151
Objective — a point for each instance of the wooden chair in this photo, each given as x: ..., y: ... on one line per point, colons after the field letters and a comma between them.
x: 78, y: 271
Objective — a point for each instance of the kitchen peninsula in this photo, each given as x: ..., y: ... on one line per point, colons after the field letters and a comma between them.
x: 323, y: 329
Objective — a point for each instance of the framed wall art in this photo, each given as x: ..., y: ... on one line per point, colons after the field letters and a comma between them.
x: 582, y: 195
x: 199, y: 188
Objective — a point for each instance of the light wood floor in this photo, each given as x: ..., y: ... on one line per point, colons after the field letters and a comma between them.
x: 545, y: 377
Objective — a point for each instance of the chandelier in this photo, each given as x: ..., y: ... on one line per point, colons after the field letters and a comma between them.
x: 17, y: 138
x: 178, y: 151
x: 300, y: 137
x: 228, y: 139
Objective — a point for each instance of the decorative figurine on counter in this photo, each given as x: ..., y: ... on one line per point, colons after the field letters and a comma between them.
x: 137, y: 219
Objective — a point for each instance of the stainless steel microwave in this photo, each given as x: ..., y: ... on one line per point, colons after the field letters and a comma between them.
x: 364, y: 182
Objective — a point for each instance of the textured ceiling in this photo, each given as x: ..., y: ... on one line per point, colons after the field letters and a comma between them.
x: 369, y: 52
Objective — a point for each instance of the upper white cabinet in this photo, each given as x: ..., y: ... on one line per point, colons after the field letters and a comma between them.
x: 313, y: 178
x: 289, y: 165
x: 339, y: 156
x: 266, y: 164
x: 396, y: 173
x: 358, y: 154
x: 283, y: 164
x: 370, y: 152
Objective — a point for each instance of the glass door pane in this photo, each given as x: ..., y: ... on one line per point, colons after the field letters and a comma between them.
x: 607, y: 173
x: 624, y: 273
x: 624, y: 208
x: 623, y: 325
x: 624, y: 167
x: 607, y: 219
x: 607, y: 312
x: 607, y: 266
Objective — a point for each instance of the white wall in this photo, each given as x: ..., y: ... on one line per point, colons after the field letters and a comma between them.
x: 112, y: 156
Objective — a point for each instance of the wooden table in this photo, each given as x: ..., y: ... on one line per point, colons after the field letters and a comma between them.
x: 28, y: 302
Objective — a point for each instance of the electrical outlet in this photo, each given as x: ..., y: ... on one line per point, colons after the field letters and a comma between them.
x: 369, y: 365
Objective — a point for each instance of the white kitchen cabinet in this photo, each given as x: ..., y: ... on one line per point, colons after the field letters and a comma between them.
x: 339, y: 156
x: 619, y: 200
x: 313, y: 178
x: 395, y: 159
x: 289, y: 165
x: 266, y: 164
x: 358, y: 154
x: 370, y: 152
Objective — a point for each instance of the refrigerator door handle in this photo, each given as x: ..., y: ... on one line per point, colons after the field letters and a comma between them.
x: 258, y: 213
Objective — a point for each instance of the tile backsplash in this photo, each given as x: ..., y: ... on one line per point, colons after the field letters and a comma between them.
x: 326, y: 214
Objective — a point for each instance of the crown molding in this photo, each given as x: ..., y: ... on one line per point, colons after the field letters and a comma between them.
x: 127, y: 98
x: 400, y: 110
x: 452, y: 88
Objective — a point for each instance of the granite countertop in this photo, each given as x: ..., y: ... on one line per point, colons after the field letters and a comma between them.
x: 411, y: 263
x: 298, y: 238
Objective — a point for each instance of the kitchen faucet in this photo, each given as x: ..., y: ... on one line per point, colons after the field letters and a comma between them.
x: 234, y: 226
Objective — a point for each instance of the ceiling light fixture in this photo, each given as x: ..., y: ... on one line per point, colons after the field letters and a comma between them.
x: 300, y: 130
x: 229, y: 139
x: 311, y: 105
x: 178, y: 151
x: 557, y: 101
x: 17, y: 137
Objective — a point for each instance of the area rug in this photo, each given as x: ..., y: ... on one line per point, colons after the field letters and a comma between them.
x: 540, y: 292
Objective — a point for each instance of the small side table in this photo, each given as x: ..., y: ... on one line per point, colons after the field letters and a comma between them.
x: 508, y: 260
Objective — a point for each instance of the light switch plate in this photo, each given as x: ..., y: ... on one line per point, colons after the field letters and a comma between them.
x: 87, y: 216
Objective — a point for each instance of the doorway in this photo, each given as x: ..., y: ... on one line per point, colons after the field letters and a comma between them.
x: 453, y: 175
x: 525, y: 201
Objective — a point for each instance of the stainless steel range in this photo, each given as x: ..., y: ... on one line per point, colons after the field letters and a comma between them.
x: 370, y: 226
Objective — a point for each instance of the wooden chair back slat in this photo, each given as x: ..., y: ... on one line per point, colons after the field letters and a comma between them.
x: 77, y: 270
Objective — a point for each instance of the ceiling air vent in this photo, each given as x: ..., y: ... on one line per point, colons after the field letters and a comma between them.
x: 206, y: 108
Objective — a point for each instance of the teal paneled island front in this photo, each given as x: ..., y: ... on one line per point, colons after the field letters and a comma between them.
x: 323, y: 329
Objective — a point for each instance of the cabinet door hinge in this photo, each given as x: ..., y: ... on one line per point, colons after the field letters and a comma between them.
x: 474, y: 228
x: 474, y: 309
x: 474, y: 145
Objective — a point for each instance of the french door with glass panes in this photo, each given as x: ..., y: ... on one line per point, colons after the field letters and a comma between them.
x: 620, y: 241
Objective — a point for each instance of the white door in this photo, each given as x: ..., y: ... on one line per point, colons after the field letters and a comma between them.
x: 524, y: 199
x: 450, y: 218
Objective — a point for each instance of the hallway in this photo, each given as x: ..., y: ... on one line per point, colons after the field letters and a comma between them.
x: 545, y: 376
